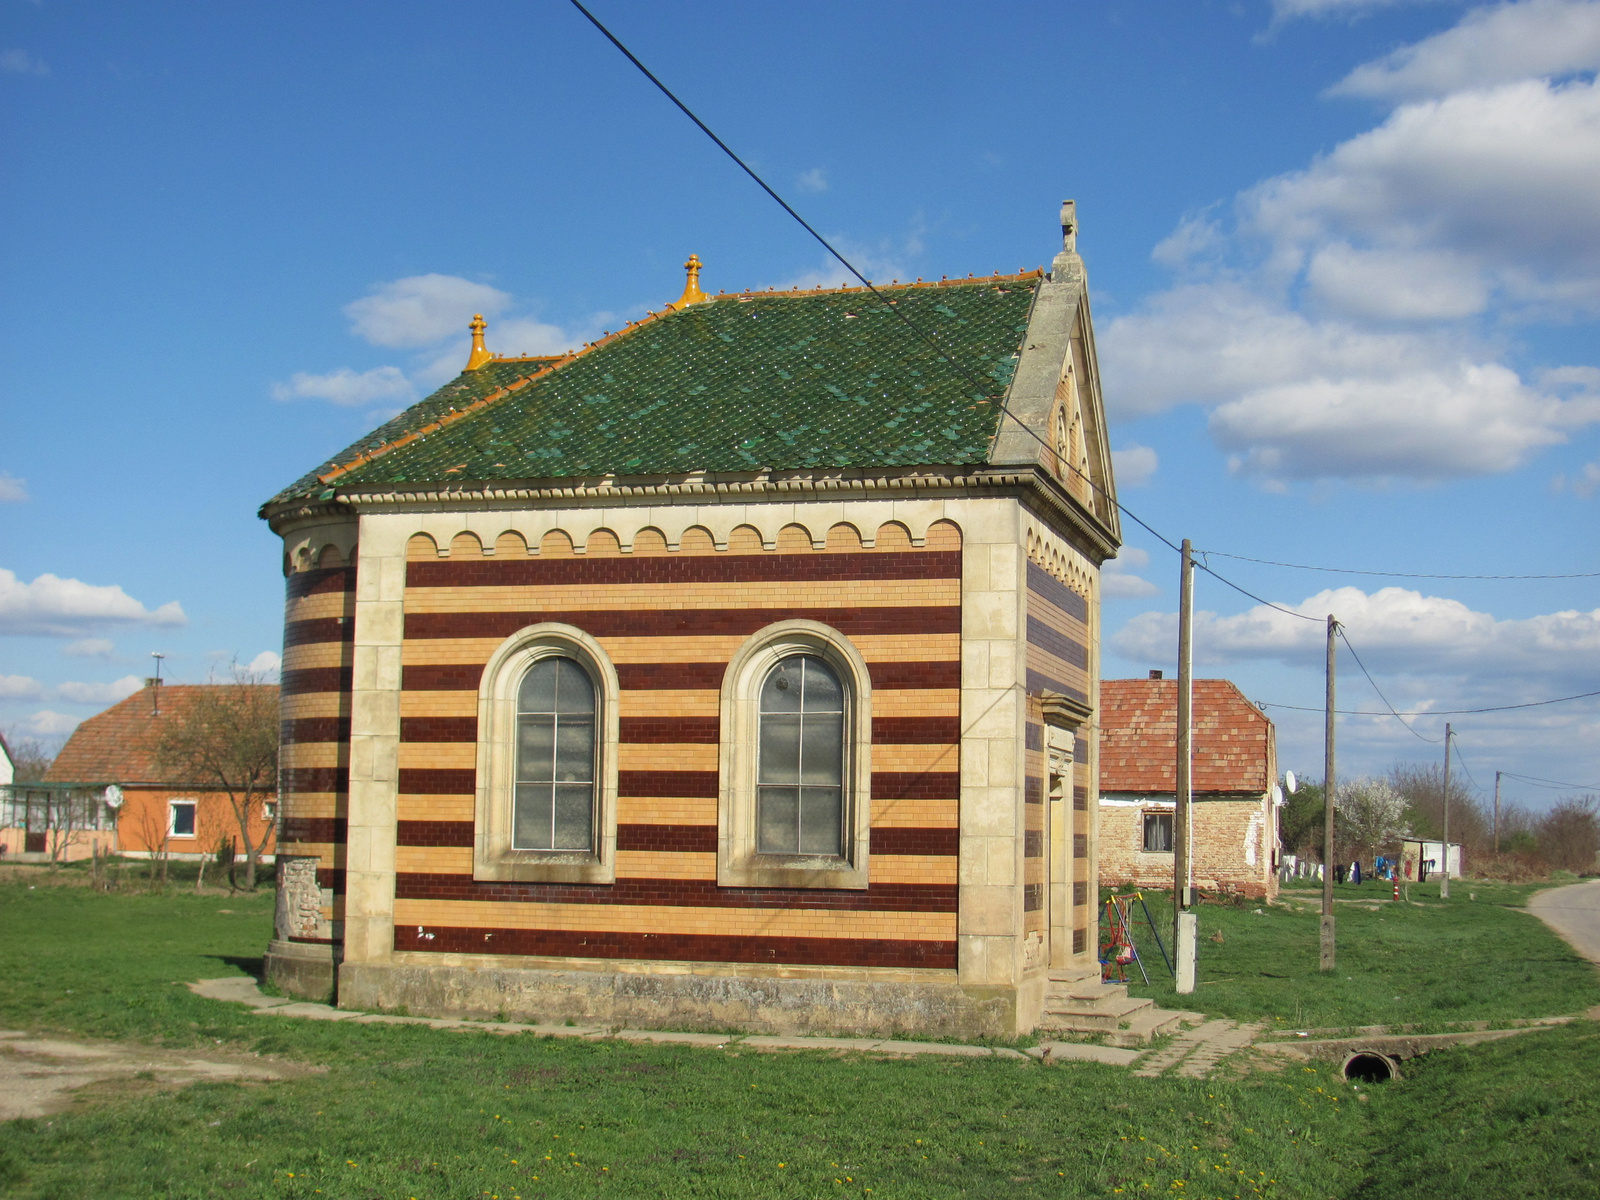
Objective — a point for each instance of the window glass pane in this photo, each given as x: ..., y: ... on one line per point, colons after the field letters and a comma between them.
x: 820, y: 820
x: 822, y: 749
x: 780, y: 692
x: 183, y: 820
x: 538, y: 693
x: 574, y: 691
x: 535, y: 748
x: 823, y: 692
x: 574, y: 749
x: 780, y: 749
x: 574, y: 816
x: 777, y: 829
x: 532, y: 818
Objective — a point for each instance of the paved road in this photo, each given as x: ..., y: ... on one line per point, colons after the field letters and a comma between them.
x: 1574, y: 913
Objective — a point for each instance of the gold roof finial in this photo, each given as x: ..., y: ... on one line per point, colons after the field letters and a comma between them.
x: 691, y: 290
x: 480, y: 354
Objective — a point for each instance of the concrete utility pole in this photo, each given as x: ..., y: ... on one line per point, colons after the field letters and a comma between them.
x: 1184, y: 927
x: 1497, y: 775
x: 1329, y: 788
x: 1444, y: 852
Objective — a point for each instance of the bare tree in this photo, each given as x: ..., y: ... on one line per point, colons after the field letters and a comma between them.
x: 1569, y: 834
x: 226, y: 739
x: 1371, y: 816
x: 1423, y: 788
x: 31, y: 757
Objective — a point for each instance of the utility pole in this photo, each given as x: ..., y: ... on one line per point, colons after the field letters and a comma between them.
x: 1497, y: 775
x: 1329, y: 788
x: 1444, y: 853
x: 1184, y: 919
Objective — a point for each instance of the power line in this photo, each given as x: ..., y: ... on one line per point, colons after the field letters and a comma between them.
x: 1552, y: 783
x: 1267, y: 562
x: 1433, y: 712
x: 1376, y: 688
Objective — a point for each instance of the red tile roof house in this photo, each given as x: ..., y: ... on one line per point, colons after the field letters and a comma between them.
x: 1234, y: 816
x: 186, y: 820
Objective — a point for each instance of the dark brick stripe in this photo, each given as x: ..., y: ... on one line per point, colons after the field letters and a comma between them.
x: 1032, y: 897
x: 916, y: 785
x: 694, y: 785
x: 1033, y: 790
x: 1033, y: 843
x: 433, y: 833
x: 1039, y: 682
x: 896, y: 840
x: 916, y: 731
x: 677, y: 839
x: 1053, y: 641
x: 314, y: 779
x: 1033, y: 736
x: 314, y: 583
x: 438, y: 729
x: 701, y: 731
x: 437, y: 781
x: 679, y: 947
x: 318, y: 631
x: 319, y: 830
x: 679, y: 893
x: 306, y: 730
x: 331, y: 878
x: 688, y: 677
x: 687, y: 568
x: 695, y: 622
x: 320, y: 679
x: 1080, y: 798
x: 1053, y: 591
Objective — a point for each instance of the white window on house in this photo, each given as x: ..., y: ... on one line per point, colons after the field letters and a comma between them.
x: 795, y: 768
x: 547, y: 760
x: 180, y: 818
x: 1158, y: 832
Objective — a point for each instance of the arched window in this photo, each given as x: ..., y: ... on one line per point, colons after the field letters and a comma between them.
x: 800, y: 786
x: 555, y: 785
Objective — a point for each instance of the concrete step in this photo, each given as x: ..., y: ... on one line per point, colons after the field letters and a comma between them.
x: 1090, y: 994
x: 1146, y: 1026
x: 1104, y: 1018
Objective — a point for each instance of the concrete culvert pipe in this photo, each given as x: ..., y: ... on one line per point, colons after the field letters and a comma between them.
x: 1369, y: 1066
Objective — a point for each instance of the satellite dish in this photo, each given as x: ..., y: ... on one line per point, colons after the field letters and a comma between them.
x: 1277, y: 795
x: 114, y: 796
x: 1290, y: 782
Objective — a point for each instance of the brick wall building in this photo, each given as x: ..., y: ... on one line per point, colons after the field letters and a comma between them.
x: 737, y: 670
x: 1234, y: 816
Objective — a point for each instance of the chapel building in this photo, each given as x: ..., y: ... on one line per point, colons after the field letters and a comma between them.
x: 739, y: 670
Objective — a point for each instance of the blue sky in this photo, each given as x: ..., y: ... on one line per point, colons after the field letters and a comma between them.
x: 1344, y: 255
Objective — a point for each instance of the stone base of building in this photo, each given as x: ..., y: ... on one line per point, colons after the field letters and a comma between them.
x: 710, y: 996
x: 303, y: 969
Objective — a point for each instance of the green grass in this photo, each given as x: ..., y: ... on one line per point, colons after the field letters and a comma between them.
x: 404, y: 1111
x: 1429, y: 962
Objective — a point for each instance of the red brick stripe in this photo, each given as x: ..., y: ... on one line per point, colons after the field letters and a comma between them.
x: 913, y: 675
x: 689, y: 677
x: 695, y: 785
x: 916, y: 731
x: 679, y: 893
x: 314, y: 583
x: 436, y: 677
x: 433, y: 833
x: 314, y: 829
x: 895, y: 840
x: 318, y: 631
x: 438, y: 729
x: 701, y: 731
x: 331, y: 878
x: 1057, y: 644
x: 305, y: 730
x: 916, y: 785
x: 696, y: 622
x: 315, y: 779
x: 698, y: 568
x: 677, y: 839
x: 437, y: 781
x: 680, y: 947
x: 321, y: 679
x: 1052, y: 591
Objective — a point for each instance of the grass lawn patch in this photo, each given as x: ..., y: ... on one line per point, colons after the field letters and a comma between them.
x: 1428, y: 962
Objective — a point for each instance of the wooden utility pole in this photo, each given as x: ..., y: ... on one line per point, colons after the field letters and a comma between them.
x: 1444, y: 851
x: 1183, y: 931
x: 1497, y: 775
x: 1329, y: 789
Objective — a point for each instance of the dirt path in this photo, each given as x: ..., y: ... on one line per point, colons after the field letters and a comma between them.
x: 1574, y: 913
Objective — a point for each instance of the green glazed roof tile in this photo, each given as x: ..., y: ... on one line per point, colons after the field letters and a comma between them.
x: 745, y: 382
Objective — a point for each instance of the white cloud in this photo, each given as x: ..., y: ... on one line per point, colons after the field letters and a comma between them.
x: 422, y: 309
x: 1397, y: 631
x: 1116, y: 581
x: 349, y: 389
x: 1490, y: 45
x: 1584, y: 484
x: 99, y: 693
x: 1397, y: 285
x: 55, y: 607
x: 20, y: 687
x: 266, y: 664
x: 1285, y: 10
x: 12, y: 489
x: 89, y: 648
x: 20, y: 62
x: 814, y: 180
x: 48, y: 724
x: 1133, y: 465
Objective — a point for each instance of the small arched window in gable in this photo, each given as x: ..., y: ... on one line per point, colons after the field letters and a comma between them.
x: 555, y: 784
x: 802, y: 755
